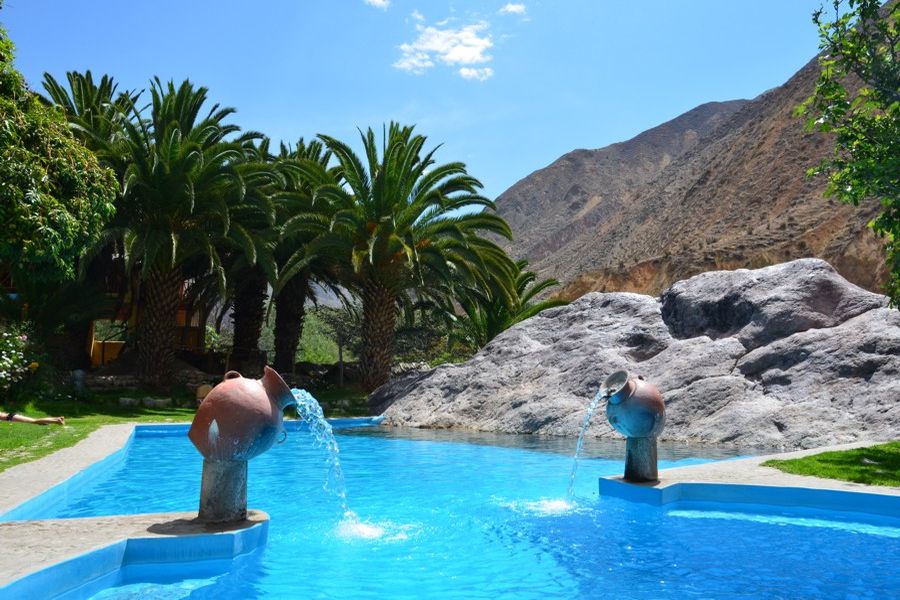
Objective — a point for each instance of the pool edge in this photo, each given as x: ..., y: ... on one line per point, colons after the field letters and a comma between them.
x: 86, y: 573
x: 748, y: 481
x: 872, y: 503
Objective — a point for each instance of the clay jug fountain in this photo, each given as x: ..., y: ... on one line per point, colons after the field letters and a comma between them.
x: 238, y: 420
x: 636, y: 409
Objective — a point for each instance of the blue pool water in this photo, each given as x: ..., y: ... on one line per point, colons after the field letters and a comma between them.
x: 449, y: 516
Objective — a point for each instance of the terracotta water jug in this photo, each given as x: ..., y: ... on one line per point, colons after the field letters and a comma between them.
x: 636, y: 408
x: 241, y: 418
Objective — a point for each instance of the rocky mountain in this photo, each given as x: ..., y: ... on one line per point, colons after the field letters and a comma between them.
x: 789, y: 355
x: 722, y: 186
x: 586, y: 187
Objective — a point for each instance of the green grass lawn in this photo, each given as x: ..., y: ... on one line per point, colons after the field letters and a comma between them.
x: 875, y: 465
x: 21, y: 442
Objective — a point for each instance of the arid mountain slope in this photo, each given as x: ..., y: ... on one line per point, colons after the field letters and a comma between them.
x: 736, y: 196
x: 551, y: 206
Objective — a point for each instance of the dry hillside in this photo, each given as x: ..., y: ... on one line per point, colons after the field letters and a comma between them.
x: 722, y: 186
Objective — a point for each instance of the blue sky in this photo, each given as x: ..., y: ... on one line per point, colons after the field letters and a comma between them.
x: 505, y: 87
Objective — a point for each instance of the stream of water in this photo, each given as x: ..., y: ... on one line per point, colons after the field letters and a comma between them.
x: 601, y: 395
x: 309, y: 409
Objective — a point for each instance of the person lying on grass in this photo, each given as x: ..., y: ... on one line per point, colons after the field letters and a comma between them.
x: 15, y: 417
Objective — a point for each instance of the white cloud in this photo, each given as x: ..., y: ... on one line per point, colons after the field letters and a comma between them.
x: 464, y: 46
x: 414, y: 62
x: 417, y: 16
x: 512, y: 9
x: 382, y: 4
x: 479, y: 74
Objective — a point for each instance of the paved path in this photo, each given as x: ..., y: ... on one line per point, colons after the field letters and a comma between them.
x: 21, y: 482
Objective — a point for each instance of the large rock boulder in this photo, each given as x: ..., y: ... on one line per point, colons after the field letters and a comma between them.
x: 791, y: 355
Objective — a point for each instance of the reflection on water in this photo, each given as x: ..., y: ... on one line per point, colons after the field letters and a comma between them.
x: 610, y: 448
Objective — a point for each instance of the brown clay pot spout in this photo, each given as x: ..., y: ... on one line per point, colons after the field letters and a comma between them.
x: 241, y: 418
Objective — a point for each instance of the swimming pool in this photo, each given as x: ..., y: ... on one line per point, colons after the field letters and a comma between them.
x: 444, y: 515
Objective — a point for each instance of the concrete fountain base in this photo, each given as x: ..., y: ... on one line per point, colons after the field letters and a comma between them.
x: 51, y: 557
x: 746, y: 481
x: 640, y: 460
x: 223, y: 491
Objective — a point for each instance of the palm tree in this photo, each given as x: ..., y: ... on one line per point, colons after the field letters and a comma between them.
x: 180, y: 189
x: 401, y: 227
x: 249, y: 279
x: 487, y: 314
x: 95, y: 112
x: 302, y: 262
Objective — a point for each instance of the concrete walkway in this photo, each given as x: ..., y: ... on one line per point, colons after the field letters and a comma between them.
x: 21, y: 482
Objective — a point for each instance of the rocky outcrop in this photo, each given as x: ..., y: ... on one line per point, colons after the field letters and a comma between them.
x: 791, y: 355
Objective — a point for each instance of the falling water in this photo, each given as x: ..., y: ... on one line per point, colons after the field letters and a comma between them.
x: 601, y: 395
x: 351, y: 527
x: 309, y: 410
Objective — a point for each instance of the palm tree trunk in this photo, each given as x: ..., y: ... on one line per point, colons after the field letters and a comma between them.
x: 378, y: 323
x: 248, y: 315
x: 156, y: 329
x: 290, y: 309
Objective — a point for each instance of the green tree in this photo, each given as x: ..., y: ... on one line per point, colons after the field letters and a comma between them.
x: 302, y: 262
x: 55, y: 197
x: 401, y: 227
x: 343, y: 324
x: 95, y: 111
x: 857, y: 97
x: 249, y: 276
x: 180, y: 189
x: 486, y: 314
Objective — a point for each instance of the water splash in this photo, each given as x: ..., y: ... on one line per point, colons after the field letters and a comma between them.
x: 601, y: 395
x: 309, y: 410
x: 350, y: 527
x: 545, y: 507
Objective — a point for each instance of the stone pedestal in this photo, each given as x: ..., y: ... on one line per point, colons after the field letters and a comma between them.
x: 640, y: 459
x: 223, y: 491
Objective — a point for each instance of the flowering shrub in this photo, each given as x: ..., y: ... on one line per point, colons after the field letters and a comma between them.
x: 17, y: 364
